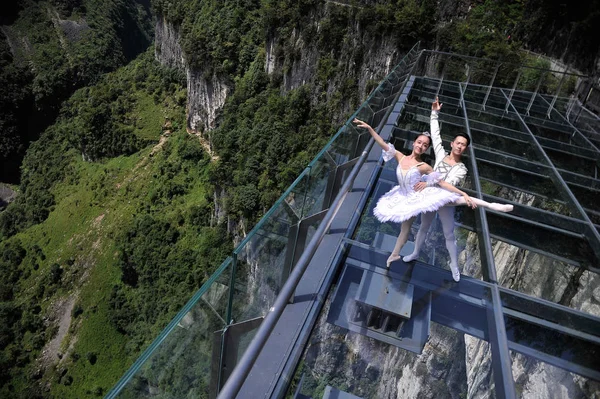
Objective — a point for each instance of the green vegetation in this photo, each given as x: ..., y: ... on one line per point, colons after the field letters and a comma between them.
x: 82, y: 238
x: 50, y: 50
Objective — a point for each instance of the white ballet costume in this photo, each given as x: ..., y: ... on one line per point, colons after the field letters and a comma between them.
x: 402, y: 202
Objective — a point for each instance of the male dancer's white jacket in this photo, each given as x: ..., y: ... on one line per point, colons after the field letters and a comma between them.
x: 458, y: 171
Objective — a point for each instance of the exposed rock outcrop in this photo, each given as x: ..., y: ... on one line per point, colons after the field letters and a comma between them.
x: 206, y: 94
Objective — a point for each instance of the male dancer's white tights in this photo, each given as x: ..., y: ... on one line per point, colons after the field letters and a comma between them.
x: 446, y: 214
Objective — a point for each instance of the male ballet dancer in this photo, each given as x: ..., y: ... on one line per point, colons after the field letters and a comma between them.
x: 453, y: 171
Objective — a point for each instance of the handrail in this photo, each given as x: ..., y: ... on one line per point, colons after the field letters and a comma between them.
x: 240, y: 373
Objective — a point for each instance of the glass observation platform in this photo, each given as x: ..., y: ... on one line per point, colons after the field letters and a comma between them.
x: 305, y: 308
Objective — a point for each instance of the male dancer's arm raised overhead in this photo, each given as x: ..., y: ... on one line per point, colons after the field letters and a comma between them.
x: 452, y: 171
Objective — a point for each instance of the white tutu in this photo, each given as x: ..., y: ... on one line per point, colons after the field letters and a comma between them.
x: 402, y: 202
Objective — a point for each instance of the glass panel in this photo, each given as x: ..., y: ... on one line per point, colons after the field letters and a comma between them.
x: 261, y: 262
x: 180, y: 364
x: 452, y: 363
x: 498, y: 143
x: 582, y: 301
x: 532, y: 273
x: 548, y: 132
x: 570, y: 162
x: 587, y: 197
x: 552, y: 344
x: 317, y: 187
x: 518, y: 179
x: 343, y: 147
x: 508, y: 121
x: 526, y: 197
x: 538, y: 379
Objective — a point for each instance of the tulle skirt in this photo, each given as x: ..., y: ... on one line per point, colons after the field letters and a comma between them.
x: 398, y: 206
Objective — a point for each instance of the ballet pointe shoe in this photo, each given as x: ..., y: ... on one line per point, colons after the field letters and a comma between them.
x: 411, y: 257
x: 501, y: 207
x: 455, y: 273
x: 392, y: 258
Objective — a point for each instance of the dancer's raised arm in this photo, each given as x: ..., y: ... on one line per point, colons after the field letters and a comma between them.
x: 436, y: 138
x: 373, y: 133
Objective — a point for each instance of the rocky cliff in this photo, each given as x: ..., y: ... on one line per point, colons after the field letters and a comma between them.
x: 206, y: 92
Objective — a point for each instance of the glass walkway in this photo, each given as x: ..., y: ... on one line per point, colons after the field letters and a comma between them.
x: 305, y: 307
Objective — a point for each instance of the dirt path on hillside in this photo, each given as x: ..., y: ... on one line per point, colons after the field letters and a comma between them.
x: 62, y: 310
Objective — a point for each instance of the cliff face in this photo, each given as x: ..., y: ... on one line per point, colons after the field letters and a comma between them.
x: 372, y: 369
x: 351, y: 68
x: 206, y: 94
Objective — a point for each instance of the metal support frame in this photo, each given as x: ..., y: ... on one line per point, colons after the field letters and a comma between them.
x: 540, y: 80
x: 501, y: 361
x: 490, y: 87
x: 226, y: 345
x: 512, y: 91
x: 551, y: 107
x: 591, y: 233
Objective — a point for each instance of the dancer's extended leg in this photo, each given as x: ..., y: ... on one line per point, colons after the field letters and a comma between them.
x: 447, y: 218
x: 491, y: 205
x: 426, y: 219
x: 402, y: 238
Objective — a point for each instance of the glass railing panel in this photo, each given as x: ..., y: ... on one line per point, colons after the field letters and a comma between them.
x: 482, y: 72
x: 179, y: 362
x: 507, y: 75
x: 344, y: 147
x: 319, y: 189
x: 262, y: 261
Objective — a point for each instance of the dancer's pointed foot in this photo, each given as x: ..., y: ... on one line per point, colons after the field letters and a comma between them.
x: 392, y: 258
x: 411, y: 257
x: 501, y: 207
x: 455, y: 273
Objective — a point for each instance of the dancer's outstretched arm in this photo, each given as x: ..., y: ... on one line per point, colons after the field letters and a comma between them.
x: 373, y: 133
x: 466, y: 199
